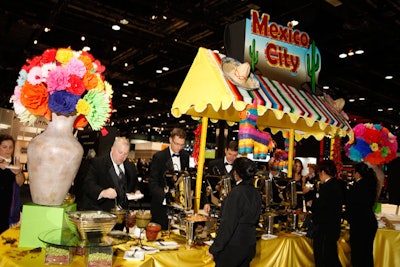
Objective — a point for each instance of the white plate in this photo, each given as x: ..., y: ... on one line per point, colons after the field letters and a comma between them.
x: 134, y: 255
x: 209, y: 242
x: 145, y: 249
x: 12, y: 167
x: 132, y: 196
x: 166, y: 245
x: 268, y: 236
x: 299, y: 233
x: 6, y: 159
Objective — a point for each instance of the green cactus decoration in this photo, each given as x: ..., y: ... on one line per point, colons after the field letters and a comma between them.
x: 312, y: 66
x: 253, y: 55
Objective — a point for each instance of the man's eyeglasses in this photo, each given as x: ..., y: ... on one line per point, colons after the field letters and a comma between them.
x: 178, y: 144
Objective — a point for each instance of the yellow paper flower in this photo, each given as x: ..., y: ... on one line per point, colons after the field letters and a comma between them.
x: 374, y: 147
x: 83, y: 107
x: 64, y: 55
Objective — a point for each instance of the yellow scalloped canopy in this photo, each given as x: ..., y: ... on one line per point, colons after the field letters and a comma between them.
x: 206, y: 92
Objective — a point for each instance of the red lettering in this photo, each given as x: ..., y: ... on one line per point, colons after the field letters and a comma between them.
x: 273, y: 30
x: 305, y: 40
x: 276, y: 31
x: 259, y: 27
x: 271, y: 54
x: 278, y: 56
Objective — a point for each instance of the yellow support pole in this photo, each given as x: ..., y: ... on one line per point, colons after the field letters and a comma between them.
x: 290, y: 153
x: 200, y: 163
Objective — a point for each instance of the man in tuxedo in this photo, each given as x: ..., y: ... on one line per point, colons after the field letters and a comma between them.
x: 222, y: 167
x: 109, y: 178
x: 169, y: 160
x: 279, y: 185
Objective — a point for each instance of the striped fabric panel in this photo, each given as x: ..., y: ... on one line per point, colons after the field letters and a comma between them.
x: 276, y: 95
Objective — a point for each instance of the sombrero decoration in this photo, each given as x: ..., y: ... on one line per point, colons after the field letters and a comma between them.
x: 239, y: 73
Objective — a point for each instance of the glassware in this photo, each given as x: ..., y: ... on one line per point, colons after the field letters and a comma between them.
x: 130, y: 220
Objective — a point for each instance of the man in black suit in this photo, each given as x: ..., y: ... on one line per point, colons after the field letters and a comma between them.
x: 279, y: 183
x: 326, y: 215
x: 166, y: 161
x: 235, y: 244
x: 221, y: 167
x: 109, y: 178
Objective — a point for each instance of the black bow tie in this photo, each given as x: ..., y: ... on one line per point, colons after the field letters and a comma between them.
x: 175, y: 155
x: 227, y: 163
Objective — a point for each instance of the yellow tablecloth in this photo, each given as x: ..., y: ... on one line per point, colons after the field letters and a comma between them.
x: 286, y: 250
x: 293, y: 250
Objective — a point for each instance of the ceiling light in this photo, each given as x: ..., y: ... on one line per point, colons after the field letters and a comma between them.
x: 350, y: 53
x: 86, y: 48
x: 124, y: 95
x: 130, y: 82
x: 390, y: 109
x: 114, y: 48
x: 165, y: 68
x: 380, y: 109
x: 352, y: 100
x: 294, y: 22
x: 334, y: 3
x: 158, y: 71
x: 326, y: 87
x: 154, y: 17
x: 83, y: 38
x: 138, y: 98
x: 124, y: 21
x: 115, y: 27
x: 388, y: 77
x: 359, y: 52
x: 361, y: 98
x: 126, y: 64
x: 343, y: 55
x: 35, y: 42
x: 47, y: 29
x: 125, y: 84
x: 164, y: 17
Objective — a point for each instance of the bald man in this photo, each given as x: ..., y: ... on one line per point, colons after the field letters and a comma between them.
x: 109, y: 178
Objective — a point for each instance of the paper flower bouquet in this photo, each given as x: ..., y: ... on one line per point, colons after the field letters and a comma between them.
x: 67, y: 83
x: 372, y: 143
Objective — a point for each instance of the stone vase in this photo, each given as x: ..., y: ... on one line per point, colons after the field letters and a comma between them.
x: 54, y: 157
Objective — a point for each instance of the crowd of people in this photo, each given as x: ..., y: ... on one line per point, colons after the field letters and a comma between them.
x: 104, y: 181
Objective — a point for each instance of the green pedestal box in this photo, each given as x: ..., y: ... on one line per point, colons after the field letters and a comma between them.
x: 36, y: 219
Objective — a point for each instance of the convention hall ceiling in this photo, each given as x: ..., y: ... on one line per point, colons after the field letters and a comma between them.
x: 168, y: 34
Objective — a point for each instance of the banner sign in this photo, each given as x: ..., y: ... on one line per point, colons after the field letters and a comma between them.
x: 280, y: 52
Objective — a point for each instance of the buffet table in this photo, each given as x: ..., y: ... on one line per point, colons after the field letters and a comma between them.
x: 286, y: 250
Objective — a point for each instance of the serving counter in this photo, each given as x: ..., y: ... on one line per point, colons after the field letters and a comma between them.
x: 286, y: 250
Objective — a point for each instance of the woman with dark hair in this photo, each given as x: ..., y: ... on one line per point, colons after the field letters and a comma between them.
x: 298, y: 179
x: 11, y: 178
x: 235, y: 244
x: 326, y: 215
x: 361, y: 199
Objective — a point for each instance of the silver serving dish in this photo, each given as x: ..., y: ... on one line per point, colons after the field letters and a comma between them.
x: 92, y: 222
